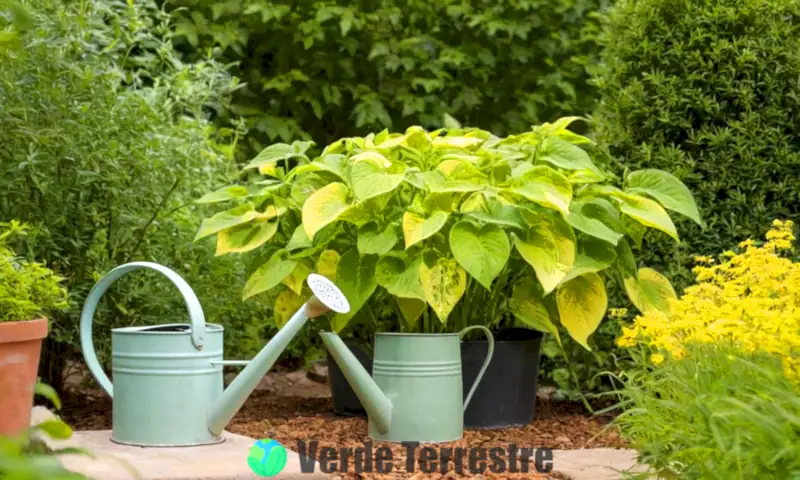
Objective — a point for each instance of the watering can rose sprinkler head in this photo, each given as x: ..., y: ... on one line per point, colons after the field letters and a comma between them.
x: 326, y: 297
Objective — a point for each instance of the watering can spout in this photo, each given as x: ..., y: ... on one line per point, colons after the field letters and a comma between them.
x: 326, y: 298
x: 375, y: 402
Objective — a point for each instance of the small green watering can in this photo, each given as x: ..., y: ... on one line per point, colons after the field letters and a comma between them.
x: 168, y: 379
x: 415, y: 391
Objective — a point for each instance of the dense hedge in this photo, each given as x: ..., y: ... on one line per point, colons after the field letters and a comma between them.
x: 710, y: 91
x: 326, y: 70
x: 103, y: 148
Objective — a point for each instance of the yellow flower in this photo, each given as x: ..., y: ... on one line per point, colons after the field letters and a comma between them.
x: 657, y: 358
x: 750, y: 300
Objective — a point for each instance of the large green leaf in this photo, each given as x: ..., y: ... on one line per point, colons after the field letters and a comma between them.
x: 417, y: 228
x: 355, y: 277
x: 563, y: 154
x: 527, y: 306
x: 370, y: 178
x: 651, y: 291
x: 482, y: 251
x: 230, y: 218
x: 594, y: 255
x: 297, y: 278
x: 647, y: 212
x: 374, y: 241
x: 547, y: 187
x: 582, y: 304
x: 277, y: 152
x: 270, y: 274
x: 305, y: 186
x: 299, y: 239
x: 411, y: 310
x: 444, y: 282
x: 500, y: 214
x: 224, y: 194
x: 398, y: 273
x: 625, y: 261
x: 246, y: 237
x: 667, y: 189
x: 549, y: 247
x: 325, y: 206
x: 590, y: 219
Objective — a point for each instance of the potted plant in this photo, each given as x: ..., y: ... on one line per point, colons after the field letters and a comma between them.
x: 28, y: 290
x: 452, y: 228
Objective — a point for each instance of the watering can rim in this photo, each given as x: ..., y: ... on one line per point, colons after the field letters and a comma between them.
x: 210, y: 328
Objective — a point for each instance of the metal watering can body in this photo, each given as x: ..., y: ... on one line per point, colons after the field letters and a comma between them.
x: 415, y: 391
x: 168, y: 379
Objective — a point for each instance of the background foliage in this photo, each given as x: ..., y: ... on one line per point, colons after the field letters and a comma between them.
x: 105, y: 143
x: 707, y: 90
x: 327, y: 70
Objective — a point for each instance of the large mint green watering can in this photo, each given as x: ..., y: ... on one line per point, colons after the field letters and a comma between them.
x: 415, y: 391
x: 168, y: 379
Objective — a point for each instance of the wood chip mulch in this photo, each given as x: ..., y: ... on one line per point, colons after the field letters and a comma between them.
x: 557, y: 425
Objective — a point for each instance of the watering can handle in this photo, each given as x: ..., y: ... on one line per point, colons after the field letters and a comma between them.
x: 192, y: 304
x: 490, y: 338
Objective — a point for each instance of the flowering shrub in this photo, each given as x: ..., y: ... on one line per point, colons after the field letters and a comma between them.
x: 750, y: 300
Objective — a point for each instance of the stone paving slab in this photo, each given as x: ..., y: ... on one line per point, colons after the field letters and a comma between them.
x: 224, y: 461
x: 596, y: 463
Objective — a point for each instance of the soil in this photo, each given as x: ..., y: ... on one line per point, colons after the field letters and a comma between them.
x: 289, y: 419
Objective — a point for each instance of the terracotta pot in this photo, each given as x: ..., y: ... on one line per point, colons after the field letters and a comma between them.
x: 20, y: 347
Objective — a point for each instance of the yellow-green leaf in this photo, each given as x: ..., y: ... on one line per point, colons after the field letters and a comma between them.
x: 411, y: 309
x: 286, y: 305
x: 224, y: 194
x: 647, y: 212
x: 374, y: 157
x: 399, y: 275
x: 327, y: 263
x: 651, y: 291
x: 227, y: 219
x: 297, y: 278
x: 370, y: 178
x: 269, y: 275
x: 667, y: 189
x: 325, y: 206
x: 547, y: 187
x: 527, y: 306
x: 482, y: 251
x: 549, y: 247
x: 444, y: 283
x: 582, y: 304
x: 417, y: 228
x: 243, y: 238
x: 374, y: 241
x: 355, y: 277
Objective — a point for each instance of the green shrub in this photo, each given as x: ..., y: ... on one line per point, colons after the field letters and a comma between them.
x: 328, y: 70
x: 27, y: 289
x: 708, y: 91
x: 716, y: 414
x: 103, y: 147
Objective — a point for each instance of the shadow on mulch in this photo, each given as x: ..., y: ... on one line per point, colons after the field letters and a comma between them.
x: 289, y: 420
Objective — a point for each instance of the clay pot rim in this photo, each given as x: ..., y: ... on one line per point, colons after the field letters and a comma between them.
x: 23, y: 330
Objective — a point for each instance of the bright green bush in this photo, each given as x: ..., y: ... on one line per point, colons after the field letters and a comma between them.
x: 709, y: 91
x: 716, y: 414
x: 104, y: 146
x: 27, y: 289
x: 328, y: 70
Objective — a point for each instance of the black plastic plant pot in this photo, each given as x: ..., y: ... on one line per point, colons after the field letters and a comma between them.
x: 506, y: 395
x: 345, y: 401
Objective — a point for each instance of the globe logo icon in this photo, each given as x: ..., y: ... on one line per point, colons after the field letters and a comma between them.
x: 266, y: 458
